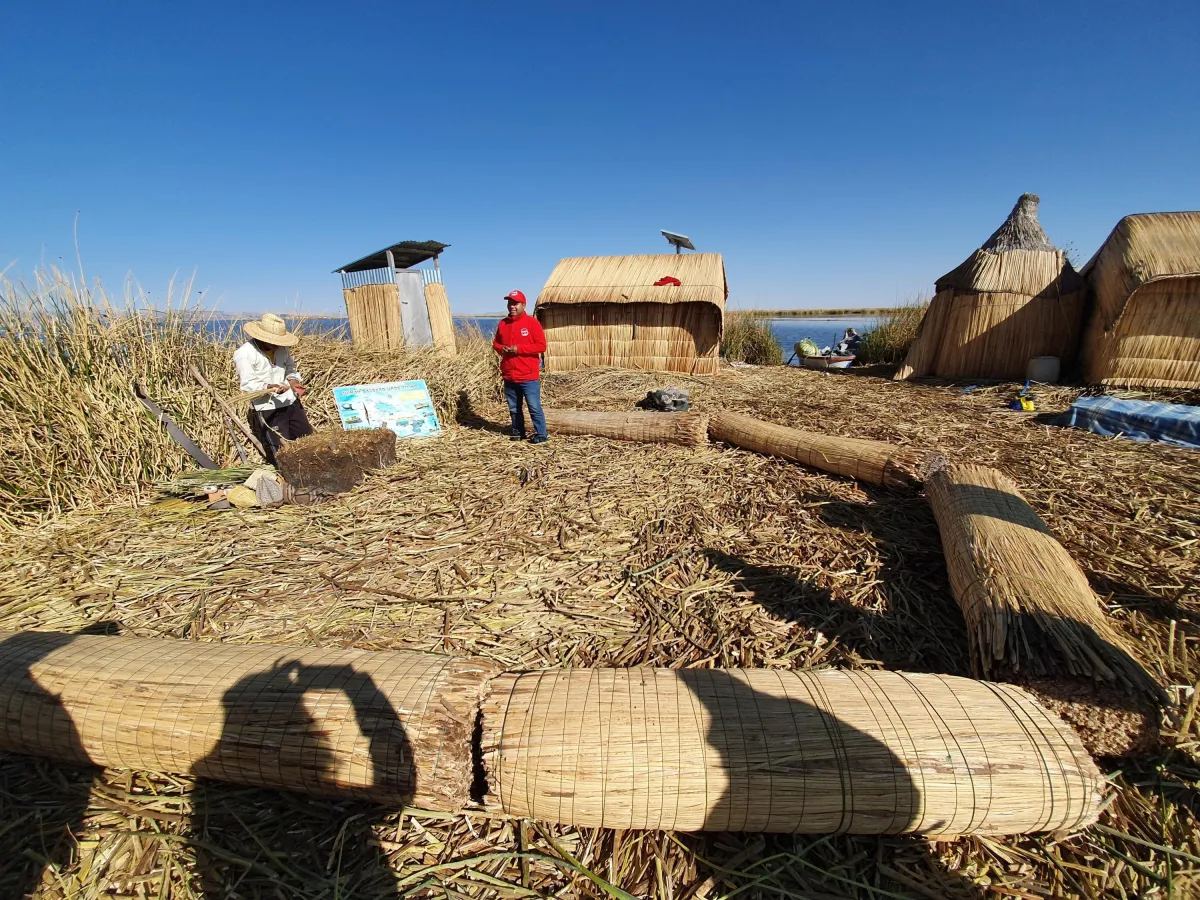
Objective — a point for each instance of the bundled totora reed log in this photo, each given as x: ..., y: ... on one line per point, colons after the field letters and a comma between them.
x: 395, y: 727
x: 335, y: 461
x: 782, y: 751
x: 874, y: 462
x: 1031, y: 615
x: 689, y: 428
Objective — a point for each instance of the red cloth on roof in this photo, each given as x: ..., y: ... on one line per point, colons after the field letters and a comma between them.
x: 668, y: 279
x: 525, y: 333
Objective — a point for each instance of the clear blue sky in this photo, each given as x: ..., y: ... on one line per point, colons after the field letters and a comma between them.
x: 836, y: 154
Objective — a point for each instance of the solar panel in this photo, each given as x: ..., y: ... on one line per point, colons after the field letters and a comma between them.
x: 678, y: 240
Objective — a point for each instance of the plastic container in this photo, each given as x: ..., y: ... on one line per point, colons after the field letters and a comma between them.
x: 1043, y: 369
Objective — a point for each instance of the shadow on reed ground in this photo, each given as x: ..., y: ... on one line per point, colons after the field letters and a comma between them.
x: 251, y: 842
x: 42, y: 802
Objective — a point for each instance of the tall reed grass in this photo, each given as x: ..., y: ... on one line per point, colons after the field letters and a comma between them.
x: 888, y: 341
x: 748, y: 338
x: 72, y: 432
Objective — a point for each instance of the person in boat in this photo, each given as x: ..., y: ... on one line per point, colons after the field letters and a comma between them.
x: 848, y: 345
x: 265, y: 364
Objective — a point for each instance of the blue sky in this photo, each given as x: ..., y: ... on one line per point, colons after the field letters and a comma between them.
x: 836, y: 154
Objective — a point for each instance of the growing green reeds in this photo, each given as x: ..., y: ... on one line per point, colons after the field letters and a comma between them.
x: 748, y: 338
x: 888, y: 341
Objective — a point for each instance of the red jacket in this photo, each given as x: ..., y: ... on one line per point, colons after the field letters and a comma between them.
x: 524, y: 333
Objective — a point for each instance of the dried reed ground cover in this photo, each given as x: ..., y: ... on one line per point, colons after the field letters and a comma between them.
x: 593, y: 552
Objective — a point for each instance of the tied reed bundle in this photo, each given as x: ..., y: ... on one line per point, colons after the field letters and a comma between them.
x: 871, y: 461
x: 782, y: 751
x: 688, y: 428
x: 1028, y: 605
x: 394, y: 727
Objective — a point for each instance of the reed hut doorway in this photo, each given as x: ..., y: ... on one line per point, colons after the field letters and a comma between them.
x: 391, y: 303
x: 657, y: 312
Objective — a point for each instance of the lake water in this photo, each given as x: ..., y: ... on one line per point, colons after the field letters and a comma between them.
x: 823, y: 331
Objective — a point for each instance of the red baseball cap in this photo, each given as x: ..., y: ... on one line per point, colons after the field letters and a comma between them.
x: 515, y: 295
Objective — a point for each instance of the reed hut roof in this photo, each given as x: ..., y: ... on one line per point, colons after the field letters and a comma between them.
x: 1150, y: 246
x: 631, y: 279
x: 1017, y: 259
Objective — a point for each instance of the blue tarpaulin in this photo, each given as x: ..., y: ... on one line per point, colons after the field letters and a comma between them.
x: 1139, y: 420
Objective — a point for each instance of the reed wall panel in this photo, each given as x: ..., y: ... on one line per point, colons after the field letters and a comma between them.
x: 374, y: 314
x: 441, y: 321
x: 684, y: 337
x: 874, y: 462
x: 1155, y: 342
x: 688, y: 428
x: 1029, y: 608
x: 395, y: 727
x: 782, y: 751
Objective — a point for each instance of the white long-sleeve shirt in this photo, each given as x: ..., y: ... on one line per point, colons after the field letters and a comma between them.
x: 256, y: 370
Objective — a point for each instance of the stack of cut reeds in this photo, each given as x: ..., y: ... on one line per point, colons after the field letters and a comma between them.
x: 689, y: 428
x: 874, y: 462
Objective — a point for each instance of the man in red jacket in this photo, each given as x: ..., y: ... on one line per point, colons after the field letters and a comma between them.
x: 520, y: 342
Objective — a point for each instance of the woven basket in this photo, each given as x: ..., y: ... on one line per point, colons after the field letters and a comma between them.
x: 689, y: 428
x: 395, y: 726
x: 874, y: 462
x: 782, y: 751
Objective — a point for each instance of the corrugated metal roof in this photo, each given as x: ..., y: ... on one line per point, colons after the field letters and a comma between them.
x: 631, y: 279
x: 406, y: 254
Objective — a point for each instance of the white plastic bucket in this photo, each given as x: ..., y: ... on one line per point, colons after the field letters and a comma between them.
x: 1043, y: 369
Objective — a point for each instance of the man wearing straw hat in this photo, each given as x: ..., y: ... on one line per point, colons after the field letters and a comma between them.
x: 265, y: 366
x: 520, y: 342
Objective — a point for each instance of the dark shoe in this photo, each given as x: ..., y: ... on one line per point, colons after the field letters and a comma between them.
x: 516, y: 437
x: 538, y: 439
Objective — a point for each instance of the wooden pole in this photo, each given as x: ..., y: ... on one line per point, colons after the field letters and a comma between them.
x: 228, y: 410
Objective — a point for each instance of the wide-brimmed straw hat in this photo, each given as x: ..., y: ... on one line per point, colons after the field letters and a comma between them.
x: 271, y: 329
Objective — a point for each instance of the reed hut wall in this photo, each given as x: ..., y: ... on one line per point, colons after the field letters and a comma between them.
x: 374, y: 314
x: 782, y: 751
x: 608, y: 311
x: 394, y: 727
x: 1143, y: 322
x: 441, y: 322
x: 1015, y: 298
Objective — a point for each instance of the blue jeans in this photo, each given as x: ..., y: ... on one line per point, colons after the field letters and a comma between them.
x: 532, y: 392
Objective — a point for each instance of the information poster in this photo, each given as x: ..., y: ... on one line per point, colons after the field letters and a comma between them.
x: 403, y: 406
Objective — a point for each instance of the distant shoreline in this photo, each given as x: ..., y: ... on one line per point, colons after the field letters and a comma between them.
x: 817, y: 313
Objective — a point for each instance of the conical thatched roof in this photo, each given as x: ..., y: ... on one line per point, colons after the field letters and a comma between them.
x: 1017, y: 259
x: 1021, y: 230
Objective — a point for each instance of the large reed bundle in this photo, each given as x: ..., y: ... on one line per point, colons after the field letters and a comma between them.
x: 441, y: 322
x: 611, y: 311
x: 782, y: 751
x: 1014, y: 298
x: 871, y: 461
x: 689, y: 428
x: 1144, y: 324
x: 395, y: 727
x: 1028, y: 605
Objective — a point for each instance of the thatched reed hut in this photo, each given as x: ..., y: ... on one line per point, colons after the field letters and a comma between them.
x: 1014, y: 298
x: 661, y: 312
x: 1143, y: 327
x: 390, y: 302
